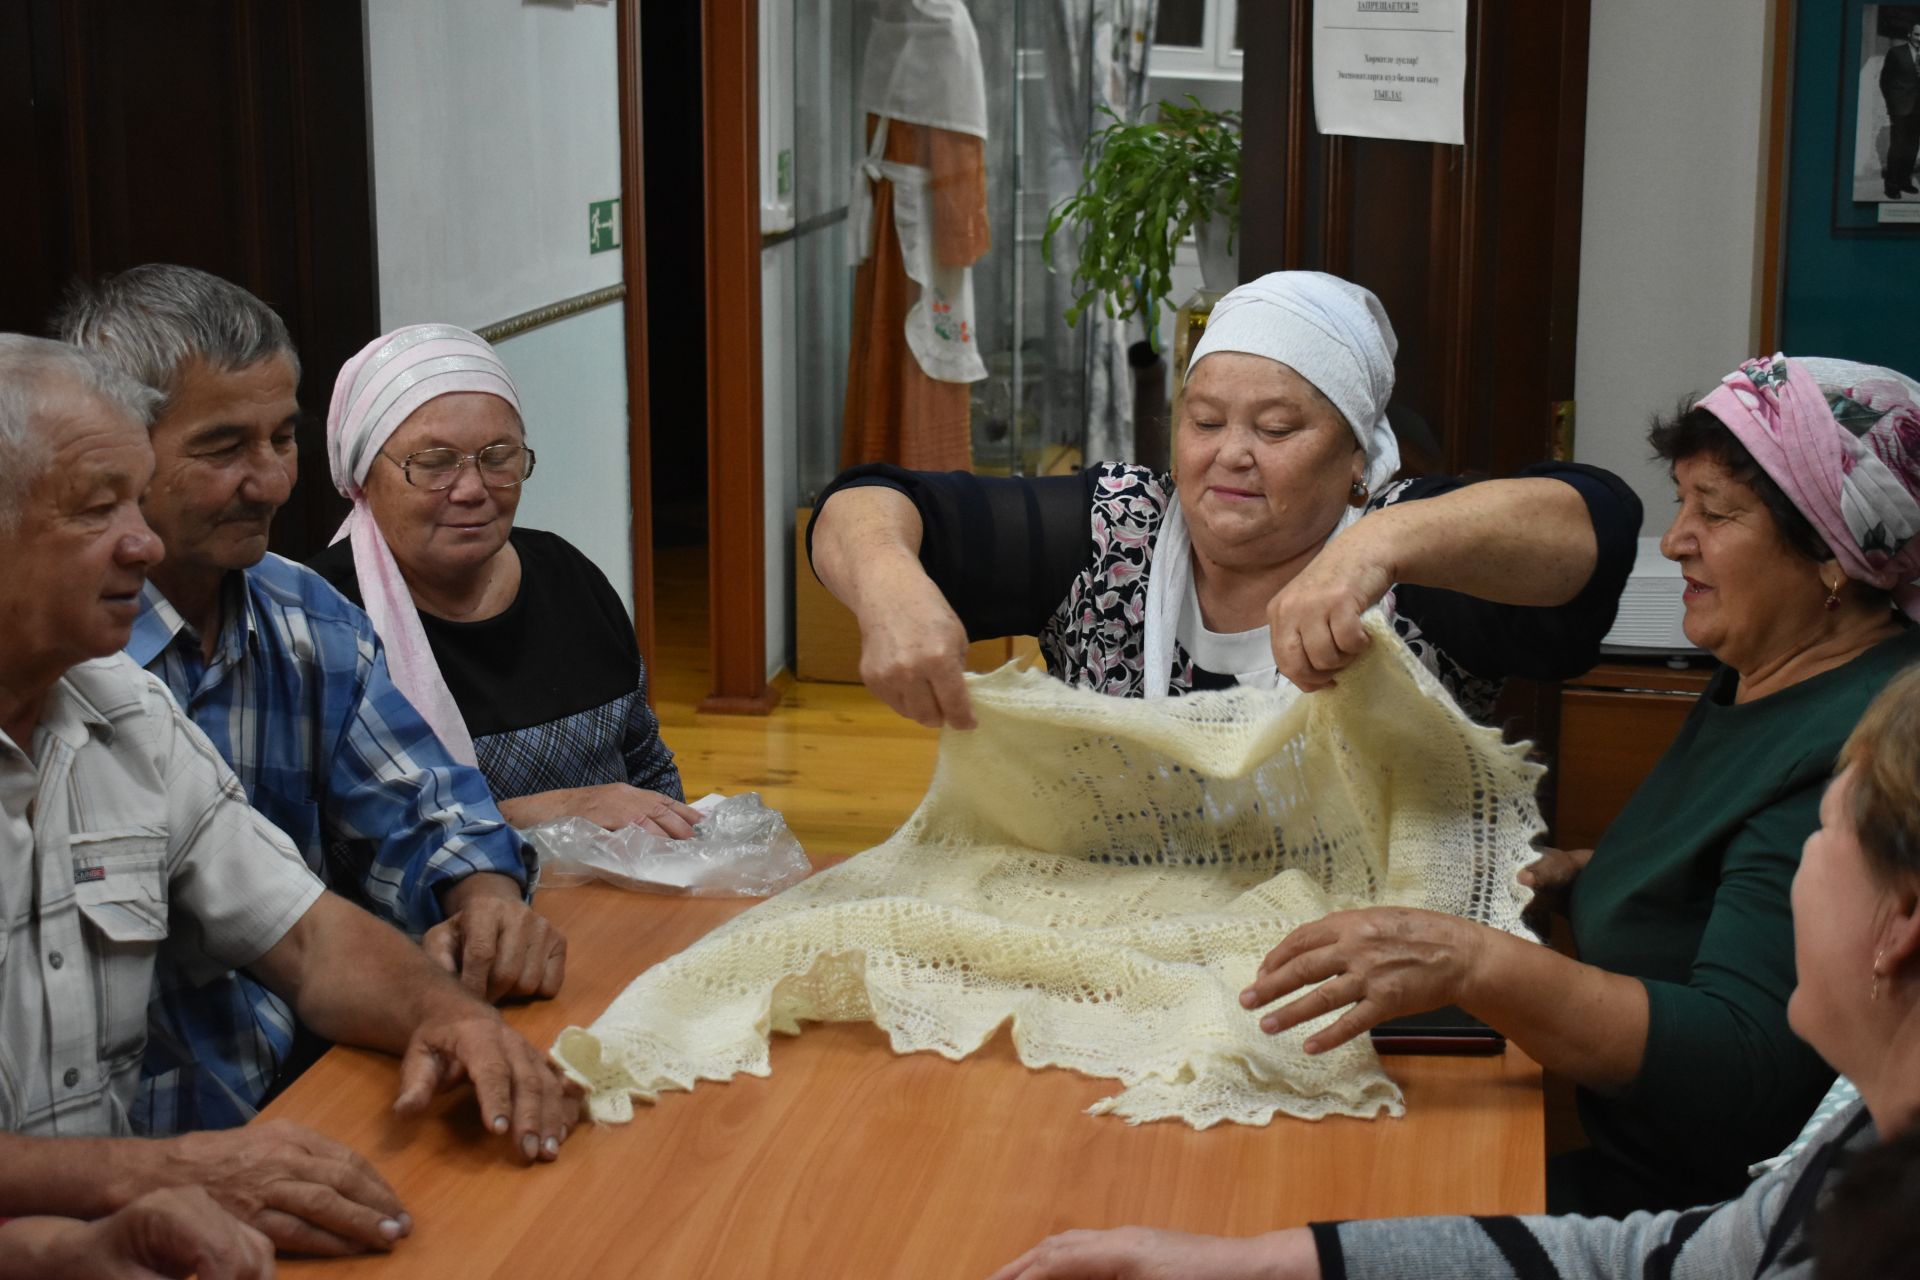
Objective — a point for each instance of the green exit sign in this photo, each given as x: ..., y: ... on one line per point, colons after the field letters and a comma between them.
x: 603, y: 225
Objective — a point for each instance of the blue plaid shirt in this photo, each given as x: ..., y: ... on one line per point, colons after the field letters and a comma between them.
x: 298, y: 700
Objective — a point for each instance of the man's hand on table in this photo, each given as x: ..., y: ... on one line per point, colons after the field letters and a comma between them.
x: 1140, y: 1253
x: 176, y: 1232
x: 358, y: 981
x: 518, y: 1091
x: 496, y: 944
x: 305, y: 1193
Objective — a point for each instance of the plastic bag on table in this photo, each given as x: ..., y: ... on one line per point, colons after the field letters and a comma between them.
x: 740, y: 849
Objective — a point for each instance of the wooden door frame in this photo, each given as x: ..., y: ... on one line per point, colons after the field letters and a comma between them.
x: 633, y: 266
x: 736, y: 515
x: 736, y: 489
x: 1770, y: 246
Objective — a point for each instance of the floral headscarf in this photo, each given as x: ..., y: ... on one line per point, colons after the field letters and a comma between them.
x: 1842, y: 440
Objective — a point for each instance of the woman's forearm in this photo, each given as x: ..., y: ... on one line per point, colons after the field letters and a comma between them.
x: 1575, y: 1020
x: 526, y: 811
x: 1524, y: 542
x: 864, y: 540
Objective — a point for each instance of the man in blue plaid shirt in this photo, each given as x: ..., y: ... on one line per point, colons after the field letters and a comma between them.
x: 289, y: 681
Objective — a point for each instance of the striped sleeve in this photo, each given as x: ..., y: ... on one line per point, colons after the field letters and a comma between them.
x: 1761, y: 1235
x: 416, y: 820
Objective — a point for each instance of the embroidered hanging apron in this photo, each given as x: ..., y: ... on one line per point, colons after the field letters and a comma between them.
x: 940, y: 325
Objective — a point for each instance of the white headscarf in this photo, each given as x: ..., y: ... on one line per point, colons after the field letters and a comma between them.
x: 1334, y: 334
x: 377, y: 391
x: 923, y: 66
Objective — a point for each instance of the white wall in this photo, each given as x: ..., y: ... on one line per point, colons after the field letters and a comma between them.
x: 573, y: 389
x: 1676, y: 120
x: 495, y: 123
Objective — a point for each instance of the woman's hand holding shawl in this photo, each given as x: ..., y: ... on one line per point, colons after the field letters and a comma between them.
x: 913, y: 653
x: 1314, y: 621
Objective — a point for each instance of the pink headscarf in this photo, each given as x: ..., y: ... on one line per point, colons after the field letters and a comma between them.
x: 1842, y: 440
x: 377, y: 390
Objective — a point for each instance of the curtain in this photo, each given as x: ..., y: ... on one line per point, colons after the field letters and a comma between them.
x: 1104, y: 43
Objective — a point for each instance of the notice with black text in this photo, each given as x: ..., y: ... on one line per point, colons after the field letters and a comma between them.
x: 1391, y: 68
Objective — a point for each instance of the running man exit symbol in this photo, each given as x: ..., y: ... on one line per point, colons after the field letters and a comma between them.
x: 603, y: 226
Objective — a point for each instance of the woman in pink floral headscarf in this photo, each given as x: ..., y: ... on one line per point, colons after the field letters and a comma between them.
x: 1841, y: 441
x: 1795, y: 532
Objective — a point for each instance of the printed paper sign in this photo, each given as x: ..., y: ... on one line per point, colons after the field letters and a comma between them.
x: 1391, y: 68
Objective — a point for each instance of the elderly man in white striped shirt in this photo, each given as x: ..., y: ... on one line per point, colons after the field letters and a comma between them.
x: 122, y: 832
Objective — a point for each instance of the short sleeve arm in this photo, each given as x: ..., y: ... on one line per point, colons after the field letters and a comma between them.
x: 1723, y: 1070
x: 1494, y: 641
x: 235, y: 883
x: 1003, y: 550
x: 414, y: 820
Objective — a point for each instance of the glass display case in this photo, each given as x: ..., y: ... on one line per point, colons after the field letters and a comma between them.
x: 1027, y: 411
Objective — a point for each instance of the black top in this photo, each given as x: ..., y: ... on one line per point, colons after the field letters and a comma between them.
x: 552, y: 688
x: 1010, y: 554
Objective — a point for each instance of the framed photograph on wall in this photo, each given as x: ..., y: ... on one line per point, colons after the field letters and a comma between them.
x: 1879, y: 119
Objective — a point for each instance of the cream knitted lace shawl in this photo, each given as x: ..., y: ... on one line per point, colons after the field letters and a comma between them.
x: 1106, y: 874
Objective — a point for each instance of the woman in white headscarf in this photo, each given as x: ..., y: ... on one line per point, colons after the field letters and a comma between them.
x: 509, y: 641
x: 1228, y: 570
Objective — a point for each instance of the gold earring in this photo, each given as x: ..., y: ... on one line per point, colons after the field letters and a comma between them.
x: 1833, y: 595
x: 1359, y: 494
x: 1877, y: 959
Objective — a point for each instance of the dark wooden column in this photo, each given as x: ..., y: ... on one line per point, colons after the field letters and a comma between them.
x: 736, y: 516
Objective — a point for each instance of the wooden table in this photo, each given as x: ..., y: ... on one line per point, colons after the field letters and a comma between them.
x: 850, y: 1161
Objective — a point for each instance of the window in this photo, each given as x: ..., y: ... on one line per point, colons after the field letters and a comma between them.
x: 1197, y: 39
x: 1182, y: 24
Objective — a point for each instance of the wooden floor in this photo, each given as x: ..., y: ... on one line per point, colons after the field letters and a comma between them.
x: 842, y: 767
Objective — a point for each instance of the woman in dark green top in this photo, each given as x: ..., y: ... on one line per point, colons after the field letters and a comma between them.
x: 1673, y: 1022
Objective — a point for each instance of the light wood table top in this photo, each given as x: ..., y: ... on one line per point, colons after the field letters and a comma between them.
x: 852, y: 1161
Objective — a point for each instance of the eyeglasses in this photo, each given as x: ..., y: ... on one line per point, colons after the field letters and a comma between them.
x: 501, y: 466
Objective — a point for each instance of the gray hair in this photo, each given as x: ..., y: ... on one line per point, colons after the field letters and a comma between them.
x: 150, y: 320
x: 33, y: 372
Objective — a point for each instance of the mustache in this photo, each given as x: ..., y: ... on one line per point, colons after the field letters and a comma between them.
x: 248, y: 512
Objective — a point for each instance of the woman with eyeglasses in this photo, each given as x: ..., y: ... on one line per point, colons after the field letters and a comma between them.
x: 510, y: 642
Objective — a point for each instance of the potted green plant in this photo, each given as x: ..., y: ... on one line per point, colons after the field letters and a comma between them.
x: 1143, y: 188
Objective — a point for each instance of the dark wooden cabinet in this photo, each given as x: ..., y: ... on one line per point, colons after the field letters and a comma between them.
x: 1615, y: 724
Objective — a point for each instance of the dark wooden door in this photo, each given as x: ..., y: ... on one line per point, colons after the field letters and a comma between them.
x: 229, y: 135
x: 1474, y: 249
